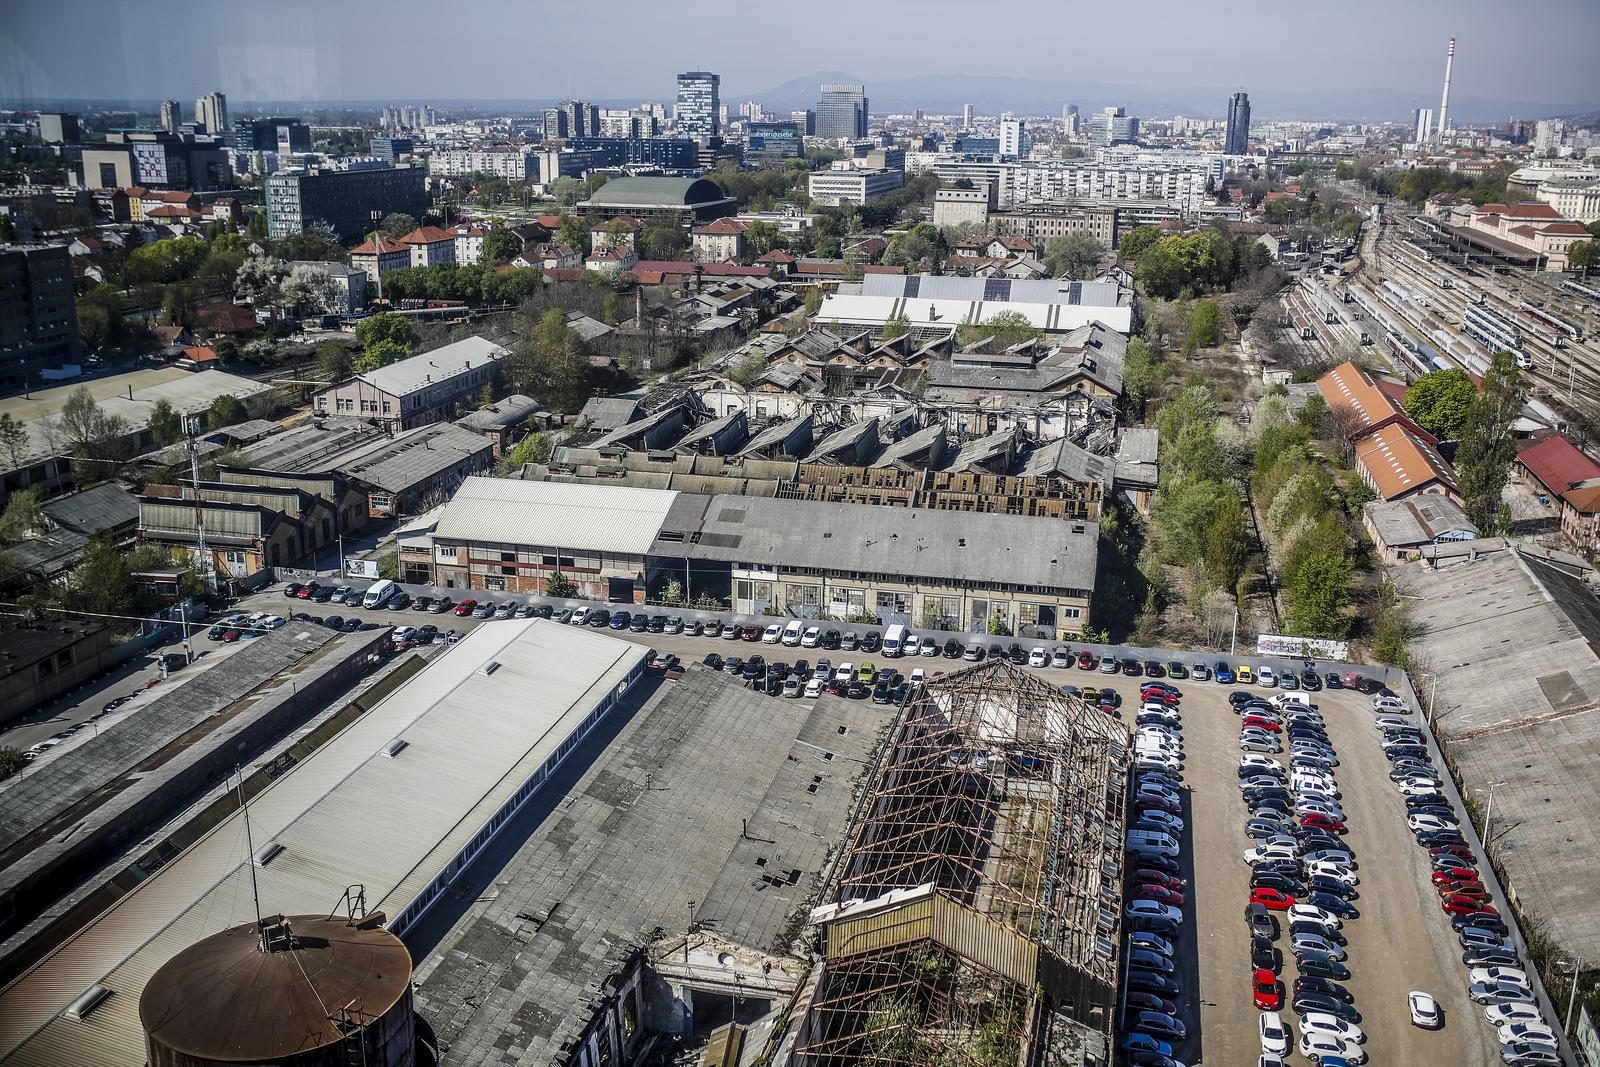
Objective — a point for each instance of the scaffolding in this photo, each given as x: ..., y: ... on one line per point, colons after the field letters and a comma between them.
x: 974, y: 917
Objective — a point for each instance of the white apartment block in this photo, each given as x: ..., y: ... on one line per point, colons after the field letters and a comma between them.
x: 512, y: 164
x: 1574, y: 197
x: 830, y: 188
x: 1181, y: 183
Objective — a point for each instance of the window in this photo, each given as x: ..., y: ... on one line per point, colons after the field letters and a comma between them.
x: 64, y: 658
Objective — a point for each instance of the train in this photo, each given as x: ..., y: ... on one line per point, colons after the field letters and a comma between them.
x: 1580, y: 290
x: 1493, y: 332
x: 1558, y: 327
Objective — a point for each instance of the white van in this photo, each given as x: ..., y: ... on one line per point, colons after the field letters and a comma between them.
x: 380, y: 594
x: 792, y: 633
x: 894, y: 640
x: 1151, y: 842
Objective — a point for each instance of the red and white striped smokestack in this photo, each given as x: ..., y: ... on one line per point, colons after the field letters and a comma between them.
x: 1444, y: 102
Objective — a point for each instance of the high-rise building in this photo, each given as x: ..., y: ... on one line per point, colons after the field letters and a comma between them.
x: 344, y: 199
x: 805, y: 120
x: 842, y: 112
x: 1422, y: 125
x: 752, y: 111
x: 698, y: 105
x: 38, y: 319
x: 1013, y: 139
x: 555, y: 124
x: 1112, y: 126
x: 282, y: 135
x: 171, y: 115
x: 211, y: 111
x: 966, y: 116
x: 1237, y: 142
x: 58, y: 127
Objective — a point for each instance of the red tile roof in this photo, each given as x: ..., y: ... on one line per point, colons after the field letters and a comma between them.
x: 778, y: 255
x: 427, y: 235
x: 1400, y: 461
x: 199, y: 354
x: 1565, y: 227
x: 366, y: 248
x: 1558, y: 464
x: 723, y: 228
x: 709, y: 270
x: 1348, y: 387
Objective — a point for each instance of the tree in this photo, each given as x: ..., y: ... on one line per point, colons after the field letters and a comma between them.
x: 381, y: 354
x: 307, y: 290
x: 1073, y: 255
x: 1318, y: 596
x: 1584, y: 256
x: 163, y: 262
x: 387, y: 327
x: 316, y: 243
x: 1136, y: 241
x: 165, y: 423
x: 11, y: 761
x: 1139, y: 375
x: 501, y: 246
x: 558, y: 586
x: 535, y: 448
x: 333, y: 362
x: 90, y: 432
x: 260, y: 281
x: 13, y: 439
x: 552, y: 365
x: 896, y: 326
x: 1005, y: 329
x: 22, y: 516
x: 226, y: 348
x: 225, y: 410
x: 1227, y: 545
x: 1441, y: 401
x: 1483, y: 459
x: 762, y: 237
x: 1205, y: 325
x: 566, y: 191
x: 397, y: 224
x: 574, y: 233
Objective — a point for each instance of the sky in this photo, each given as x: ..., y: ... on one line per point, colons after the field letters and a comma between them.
x: 424, y: 50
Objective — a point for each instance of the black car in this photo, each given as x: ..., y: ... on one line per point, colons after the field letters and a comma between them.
x: 657, y: 623
x: 399, y: 602
x: 1017, y: 655
x: 1337, y: 888
x: 871, y: 641
x: 333, y: 622
x: 772, y: 685
x: 1335, y: 905
x: 1322, y: 987
x: 1132, y: 668
x: 1308, y: 1002
x: 544, y: 611
x: 1108, y: 696
x: 857, y: 691
x: 1435, y: 838
x: 599, y: 618
x: 1151, y: 982
x: 830, y: 640
x: 1153, y: 669
x: 422, y: 603
x: 426, y: 633
x: 1263, y: 956
x: 1305, y: 926
x: 322, y: 594
x: 713, y: 661
x: 1478, y: 921
x: 352, y: 624
x: 882, y: 693
x: 1321, y: 967
x: 952, y: 649
x: 1165, y: 864
x: 995, y: 652
x: 1275, y: 880
x: 292, y: 589
x: 733, y: 665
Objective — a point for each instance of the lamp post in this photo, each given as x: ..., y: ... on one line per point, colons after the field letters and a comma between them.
x: 1576, y: 966
x: 1488, y: 813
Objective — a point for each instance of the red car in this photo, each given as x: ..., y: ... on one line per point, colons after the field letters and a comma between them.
x: 1148, y: 876
x: 1158, y: 696
x: 1457, y: 904
x: 466, y: 606
x: 1458, y: 850
x: 1086, y: 662
x: 750, y: 633
x: 1453, y: 875
x: 1157, y: 804
x: 1159, y: 894
x: 1322, y: 822
x: 306, y: 590
x: 1264, y: 723
x: 1271, y: 899
x: 1268, y: 993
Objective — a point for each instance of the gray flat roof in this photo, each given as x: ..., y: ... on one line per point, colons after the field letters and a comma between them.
x: 398, y: 463
x: 433, y: 367
x: 101, y: 507
x: 914, y: 543
x: 651, y: 834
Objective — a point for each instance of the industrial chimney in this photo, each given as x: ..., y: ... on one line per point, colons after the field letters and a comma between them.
x: 1444, y: 102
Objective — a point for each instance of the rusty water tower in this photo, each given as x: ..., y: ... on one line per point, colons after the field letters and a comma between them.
x: 301, y: 990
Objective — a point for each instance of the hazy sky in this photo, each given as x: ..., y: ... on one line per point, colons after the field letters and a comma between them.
x: 530, y: 49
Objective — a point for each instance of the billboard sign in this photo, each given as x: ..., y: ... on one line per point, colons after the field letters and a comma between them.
x: 150, y: 163
x: 361, y: 568
x: 1301, y: 647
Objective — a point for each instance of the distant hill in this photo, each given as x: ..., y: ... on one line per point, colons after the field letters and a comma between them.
x: 946, y: 93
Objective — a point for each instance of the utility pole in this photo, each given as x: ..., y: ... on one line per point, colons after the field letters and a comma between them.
x: 1572, y: 994
x: 377, y: 252
x: 202, y: 554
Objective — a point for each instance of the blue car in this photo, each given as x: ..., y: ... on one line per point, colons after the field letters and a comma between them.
x: 619, y: 621
x: 1140, y: 1042
x: 1222, y: 673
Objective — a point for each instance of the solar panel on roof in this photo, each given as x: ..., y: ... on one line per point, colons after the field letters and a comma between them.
x: 913, y: 284
x: 997, y: 289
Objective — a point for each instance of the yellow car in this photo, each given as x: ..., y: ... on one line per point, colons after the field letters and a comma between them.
x: 1243, y: 675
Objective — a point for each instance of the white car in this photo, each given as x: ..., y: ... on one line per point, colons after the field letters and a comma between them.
x: 793, y: 633
x: 1498, y: 1015
x: 912, y: 645
x: 1276, y: 1036
x: 814, y: 688
x: 1424, y: 1010
x: 1261, y: 763
x: 1332, y: 855
x: 1061, y: 657
x: 1323, y: 1023
x: 1337, y: 871
x: 772, y: 634
x: 580, y: 617
x: 811, y: 637
x: 1423, y: 822
x: 1317, y: 1044
x: 1514, y: 975
x: 1038, y: 658
x: 1310, y: 913
x: 1265, y: 678
x: 918, y: 676
x: 844, y: 672
x: 1419, y: 786
x: 1266, y: 853
x: 1532, y: 1033
x: 1387, y: 704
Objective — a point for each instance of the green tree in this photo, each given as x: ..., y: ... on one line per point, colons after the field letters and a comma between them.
x: 163, y: 262
x: 11, y: 761
x: 567, y: 191
x: 1227, y: 545
x: 896, y: 326
x: 397, y: 224
x: 165, y: 423
x: 13, y: 439
x: 226, y: 348
x: 22, y: 516
x: 762, y: 237
x: 1073, y: 255
x: 813, y: 300
x: 998, y: 627
x: 333, y: 362
x: 1138, y: 240
x: 501, y: 246
x: 557, y: 585
x: 387, y: 327
x: 1487, y: 447
x: 1318, y: 596
x: 535, y: 448
x: 1139, y: 376
x: 1205, y: 324
x: 1584, y: 256
x: 381, y: 354
x: 1441, y: 401
x: 225, y: 410
x: 552, y: 365
x: 1005, y: 330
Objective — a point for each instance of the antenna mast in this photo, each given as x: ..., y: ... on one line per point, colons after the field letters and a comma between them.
x: 202, y: 554
x: 250, y: 858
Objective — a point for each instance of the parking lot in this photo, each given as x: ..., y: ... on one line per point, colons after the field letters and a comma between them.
x: 1401, y: 941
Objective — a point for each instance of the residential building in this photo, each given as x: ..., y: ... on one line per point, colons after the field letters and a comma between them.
x: 1040, y: 222
x: 1170, y: 180
x: 1559, y: 471
x: 285, y: 136
x: 1400, y: 529
x: 38, y: 314
x: 966, y: 116
x: 721, y: 241
x: 171, y: 115
x: 842, y: 112
x: 510, y: 163
x: 211, y: 112
x: 957, y: 207
x: 1013, y: 139
x: 430, y: 245
x: 59, y: 128
x: 391, y: 149
x: 155, y: 159
x: 697, y: 113
x: 469, y: 244
x: 345, y: 199
x: 380, y: 255
x: 1422, y: 121
x: 613, y: 259
x: 1237, y: 140
x: 428, y: 387
x: 843, y: 184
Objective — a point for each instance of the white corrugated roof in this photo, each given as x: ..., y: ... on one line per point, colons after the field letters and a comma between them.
x: 607, y: 518
x: 431, y: 368
x: 947, y: 314
x: 347, y: 814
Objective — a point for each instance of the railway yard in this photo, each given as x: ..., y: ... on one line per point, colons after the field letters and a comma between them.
x: 1428, y: 300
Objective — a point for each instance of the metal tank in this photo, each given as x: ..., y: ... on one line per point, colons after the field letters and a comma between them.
x: 302, y: 990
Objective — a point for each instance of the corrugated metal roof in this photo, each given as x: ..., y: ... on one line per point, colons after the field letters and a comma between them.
x: 431, y: 368
x: 345, y: 815
x: 552, y: 514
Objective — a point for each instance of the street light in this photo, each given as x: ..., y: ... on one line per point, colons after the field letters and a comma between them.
x: 1572, y: 994
x: 1488, y: 812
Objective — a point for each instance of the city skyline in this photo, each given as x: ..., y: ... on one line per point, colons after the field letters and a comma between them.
x: 305, y: 55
